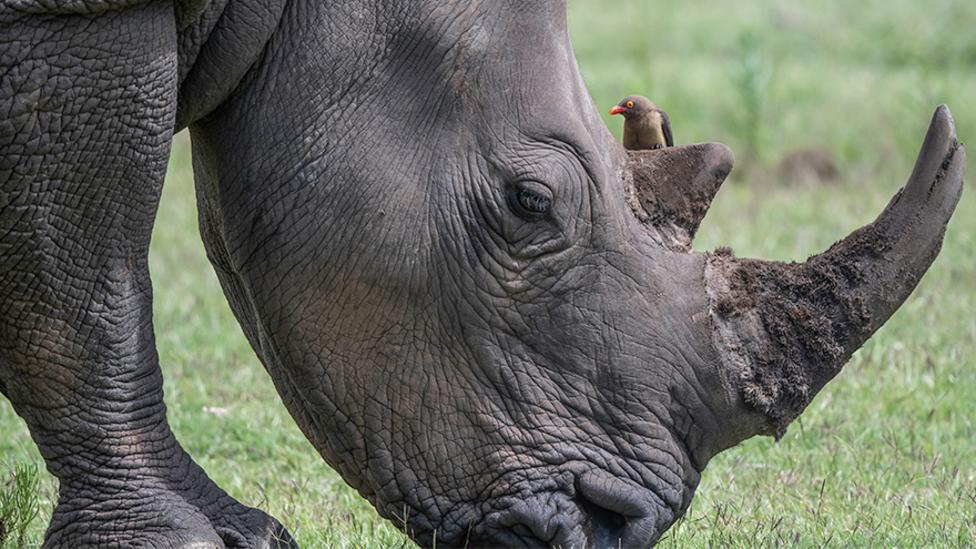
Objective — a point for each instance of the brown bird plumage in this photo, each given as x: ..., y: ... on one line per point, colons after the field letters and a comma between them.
x: 645, y: 125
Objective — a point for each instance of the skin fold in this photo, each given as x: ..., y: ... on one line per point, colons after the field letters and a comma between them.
x: 480, y: 309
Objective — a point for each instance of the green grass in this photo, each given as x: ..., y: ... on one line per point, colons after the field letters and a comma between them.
x: 18, y: 505
x: 885, y: 456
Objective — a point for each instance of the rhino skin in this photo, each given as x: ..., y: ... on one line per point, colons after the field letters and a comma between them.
x: 480, y: 309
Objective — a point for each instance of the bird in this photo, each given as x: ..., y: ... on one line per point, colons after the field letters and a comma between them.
x: 646, y: 126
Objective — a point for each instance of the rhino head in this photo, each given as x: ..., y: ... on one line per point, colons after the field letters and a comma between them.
x: 482, y: 311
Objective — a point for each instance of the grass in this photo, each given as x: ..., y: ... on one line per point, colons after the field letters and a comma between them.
x: 18, y: 505
x: 885, y: 456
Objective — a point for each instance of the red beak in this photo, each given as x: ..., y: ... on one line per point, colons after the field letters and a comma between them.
x: 617, y: 109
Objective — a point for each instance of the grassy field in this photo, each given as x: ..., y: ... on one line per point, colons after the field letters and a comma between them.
x: 885, y: 456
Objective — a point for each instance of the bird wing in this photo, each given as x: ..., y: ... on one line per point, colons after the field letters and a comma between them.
x: 666, y: 128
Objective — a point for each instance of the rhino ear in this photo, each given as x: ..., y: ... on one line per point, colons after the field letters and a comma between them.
x: 671, y: 189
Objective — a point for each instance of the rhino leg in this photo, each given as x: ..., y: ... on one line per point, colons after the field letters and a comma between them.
x: 86, y: 115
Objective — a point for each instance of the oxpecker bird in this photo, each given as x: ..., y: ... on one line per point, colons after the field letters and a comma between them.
x: 645, y: 125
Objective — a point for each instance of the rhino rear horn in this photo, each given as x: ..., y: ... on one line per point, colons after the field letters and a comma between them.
x: 785, y: 329
x: 672, y: 188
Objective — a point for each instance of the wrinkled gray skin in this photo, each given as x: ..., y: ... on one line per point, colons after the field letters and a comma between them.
x: 480, y: 374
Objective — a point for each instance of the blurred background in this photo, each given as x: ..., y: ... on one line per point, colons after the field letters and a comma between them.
x: 825, y: 106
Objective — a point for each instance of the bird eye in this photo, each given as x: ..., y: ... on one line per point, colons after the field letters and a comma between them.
x: 630, y: 104
x: 530, y: 200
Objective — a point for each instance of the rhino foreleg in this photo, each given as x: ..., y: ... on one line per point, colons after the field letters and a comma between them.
x: 87, y: 105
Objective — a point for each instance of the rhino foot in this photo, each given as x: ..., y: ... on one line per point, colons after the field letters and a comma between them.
x: 185, y: 509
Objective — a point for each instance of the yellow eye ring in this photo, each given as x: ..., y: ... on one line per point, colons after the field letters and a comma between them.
x: 630, y: 104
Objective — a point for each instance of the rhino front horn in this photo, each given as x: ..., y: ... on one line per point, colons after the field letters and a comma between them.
x: 785, y: 329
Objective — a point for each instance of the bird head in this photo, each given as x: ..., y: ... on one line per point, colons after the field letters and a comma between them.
x: 633, y: 105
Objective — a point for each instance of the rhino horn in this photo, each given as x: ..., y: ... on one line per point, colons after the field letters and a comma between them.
x: 670, y: 189
x: 784, y: 330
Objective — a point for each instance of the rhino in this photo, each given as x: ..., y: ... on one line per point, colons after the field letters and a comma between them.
x: 482, y: 312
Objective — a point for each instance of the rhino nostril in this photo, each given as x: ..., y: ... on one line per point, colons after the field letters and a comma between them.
x: 614, y: 508
x: 606, y: 527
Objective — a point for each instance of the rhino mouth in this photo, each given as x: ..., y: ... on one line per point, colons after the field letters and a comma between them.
x: 594, y: 509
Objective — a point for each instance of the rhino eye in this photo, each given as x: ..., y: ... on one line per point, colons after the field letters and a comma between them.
x: 530, y: 200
